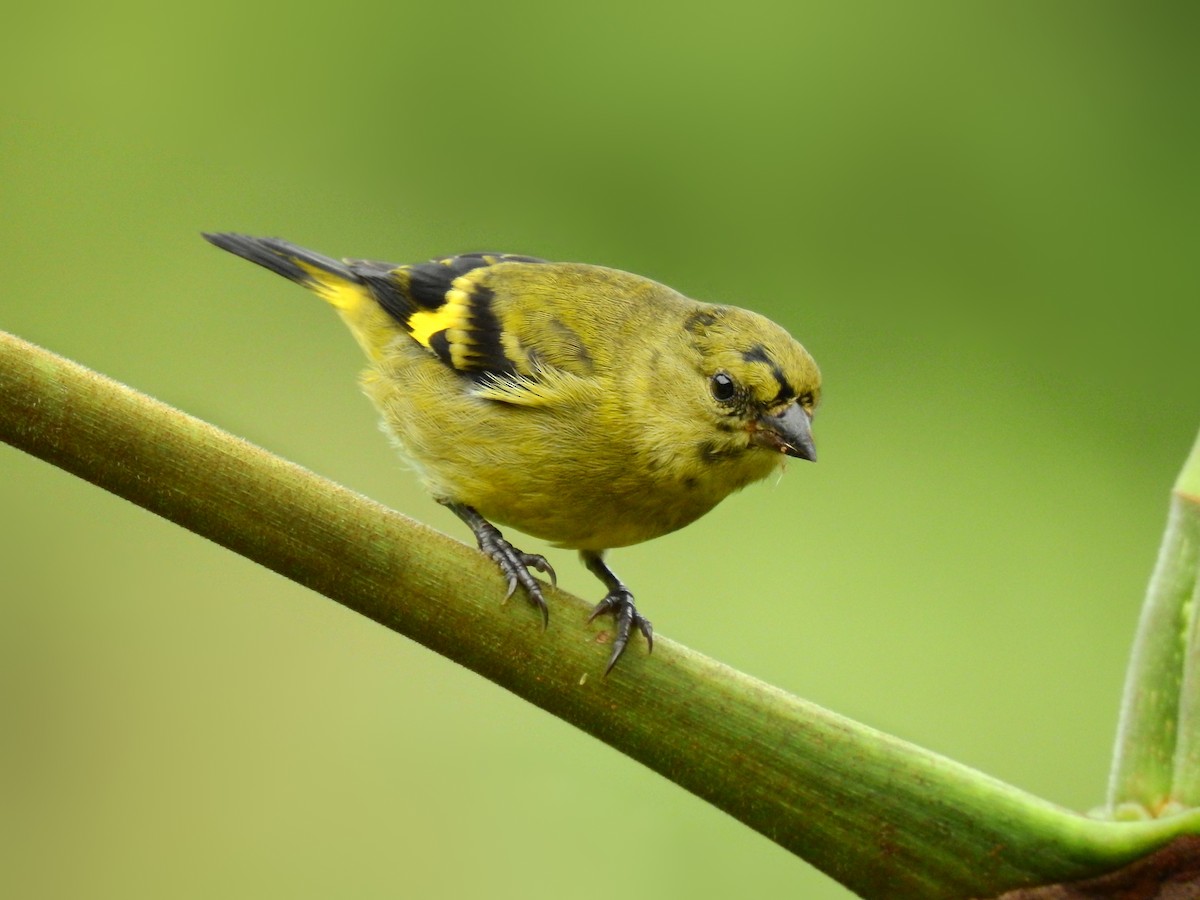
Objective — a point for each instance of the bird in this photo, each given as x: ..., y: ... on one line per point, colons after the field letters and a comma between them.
x: 577, y: 403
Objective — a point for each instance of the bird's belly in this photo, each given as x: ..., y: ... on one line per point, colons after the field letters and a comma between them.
x: 566, y: 476
x: 587, y: 503
x: 592, y: 514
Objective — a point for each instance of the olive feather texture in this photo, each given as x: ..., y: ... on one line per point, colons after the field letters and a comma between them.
x: 580, y: 404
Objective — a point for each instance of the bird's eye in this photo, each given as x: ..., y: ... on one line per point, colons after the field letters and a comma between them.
x: 723, y: 388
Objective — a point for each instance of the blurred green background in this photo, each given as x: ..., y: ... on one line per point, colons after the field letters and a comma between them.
x: 980, y: 218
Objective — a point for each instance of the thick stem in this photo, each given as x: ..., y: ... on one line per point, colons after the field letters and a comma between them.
x: 1156, y: 763
x: 1187, y: 754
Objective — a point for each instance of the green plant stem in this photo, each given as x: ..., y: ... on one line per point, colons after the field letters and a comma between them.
x: 884, y: 817
x: 1156, y: 762
x: 1187, y: 754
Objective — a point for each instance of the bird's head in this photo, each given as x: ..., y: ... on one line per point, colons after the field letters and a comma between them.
x: 760, y: 386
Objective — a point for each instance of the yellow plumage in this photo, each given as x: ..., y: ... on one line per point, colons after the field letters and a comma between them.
x: 580, y: 404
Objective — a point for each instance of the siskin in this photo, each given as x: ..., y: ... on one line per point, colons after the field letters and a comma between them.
x: 580, y: 404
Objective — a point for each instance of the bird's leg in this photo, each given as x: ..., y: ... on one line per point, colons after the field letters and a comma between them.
x: 619, y: 602
x: 512, y: 562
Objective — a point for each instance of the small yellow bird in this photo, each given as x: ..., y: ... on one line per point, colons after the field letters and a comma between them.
x: 579, y: 404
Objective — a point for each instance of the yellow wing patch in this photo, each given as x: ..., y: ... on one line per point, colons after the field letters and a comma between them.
x: 452, y: 314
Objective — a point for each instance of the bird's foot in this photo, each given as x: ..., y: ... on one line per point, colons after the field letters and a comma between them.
x: 619, y: 602
x: 516, y: 565
x: 512, y: 562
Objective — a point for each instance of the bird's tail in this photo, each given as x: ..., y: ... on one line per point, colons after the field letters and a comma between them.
x: 332, y: 280
x: 343, y: 285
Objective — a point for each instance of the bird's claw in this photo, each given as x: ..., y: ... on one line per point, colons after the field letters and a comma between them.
x: 539, y: 562
x: 512, y: 562
x: 516, y: 565
x: 619, y: 602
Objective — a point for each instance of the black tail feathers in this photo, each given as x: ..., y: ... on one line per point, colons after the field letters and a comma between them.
x: 282, y: 258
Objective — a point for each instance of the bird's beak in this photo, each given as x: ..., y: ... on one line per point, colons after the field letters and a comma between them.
x: 790, y: 432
